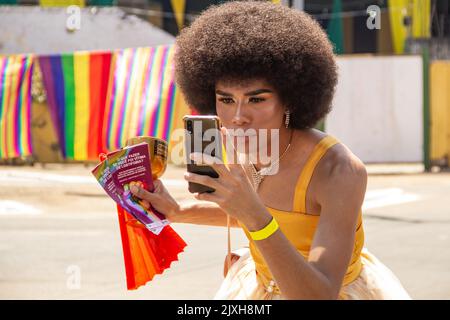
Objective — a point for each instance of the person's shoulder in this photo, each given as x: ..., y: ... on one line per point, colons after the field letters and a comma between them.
x: 342, y: 167
x: 337, y: 162
x: 341, y: 176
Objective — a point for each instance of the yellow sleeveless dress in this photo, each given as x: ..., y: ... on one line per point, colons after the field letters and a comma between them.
x: 250, y: 278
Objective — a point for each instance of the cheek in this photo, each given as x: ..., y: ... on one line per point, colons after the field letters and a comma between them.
x: 225, y: 114
x: 269, y: 116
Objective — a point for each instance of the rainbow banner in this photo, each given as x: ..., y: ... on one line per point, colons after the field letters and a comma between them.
x: 15, y: 105
x: 76, y: 86
x: 142, y: 96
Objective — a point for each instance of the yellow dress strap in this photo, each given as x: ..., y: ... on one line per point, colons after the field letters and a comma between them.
x: 305, y: 177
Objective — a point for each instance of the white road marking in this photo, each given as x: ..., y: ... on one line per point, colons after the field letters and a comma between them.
x: 10, y: 207
x: 387, y: 197
x: 15, y: 176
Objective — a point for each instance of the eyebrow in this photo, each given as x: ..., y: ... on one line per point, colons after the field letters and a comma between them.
x: 250, y: 93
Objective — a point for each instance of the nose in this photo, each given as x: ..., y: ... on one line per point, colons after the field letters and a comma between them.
x: 239, y: 118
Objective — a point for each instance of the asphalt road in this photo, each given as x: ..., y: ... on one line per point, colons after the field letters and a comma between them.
x: 56, y: 221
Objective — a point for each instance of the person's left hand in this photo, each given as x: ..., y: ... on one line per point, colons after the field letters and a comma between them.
x: 234, y: 192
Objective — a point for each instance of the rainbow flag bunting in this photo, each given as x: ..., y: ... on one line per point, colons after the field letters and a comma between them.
x: 15, y: 105
x: 76, y: 86
x: 142, y: 96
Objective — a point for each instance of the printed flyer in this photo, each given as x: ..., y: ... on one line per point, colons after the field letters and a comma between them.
x: 119, y: 171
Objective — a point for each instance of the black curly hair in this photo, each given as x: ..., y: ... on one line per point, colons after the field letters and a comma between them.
x: 244, y: 40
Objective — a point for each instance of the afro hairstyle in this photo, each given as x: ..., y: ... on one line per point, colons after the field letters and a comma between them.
x: 244, y: 40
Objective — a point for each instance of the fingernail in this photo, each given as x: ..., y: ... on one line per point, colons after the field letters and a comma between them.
x: 134, y: 189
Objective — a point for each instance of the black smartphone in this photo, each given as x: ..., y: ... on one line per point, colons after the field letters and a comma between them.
x: 202, y: 135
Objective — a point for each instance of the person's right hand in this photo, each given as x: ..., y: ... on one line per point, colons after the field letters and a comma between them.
x: 160, y: 199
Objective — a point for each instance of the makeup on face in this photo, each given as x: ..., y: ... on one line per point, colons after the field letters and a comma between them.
x: 250, y: 104
x: 247, y: 107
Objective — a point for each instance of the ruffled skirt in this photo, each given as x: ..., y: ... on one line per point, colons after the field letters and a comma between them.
x: 375, y: 282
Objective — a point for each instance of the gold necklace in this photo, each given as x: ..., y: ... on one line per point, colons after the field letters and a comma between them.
x: 258, y: 176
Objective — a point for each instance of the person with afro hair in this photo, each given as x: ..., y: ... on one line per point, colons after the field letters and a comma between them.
x: 264, y: 67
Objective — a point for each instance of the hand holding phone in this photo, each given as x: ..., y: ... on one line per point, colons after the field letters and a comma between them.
x: 202, y: 135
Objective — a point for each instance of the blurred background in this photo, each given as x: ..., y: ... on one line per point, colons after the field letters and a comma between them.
x: 79, y: 77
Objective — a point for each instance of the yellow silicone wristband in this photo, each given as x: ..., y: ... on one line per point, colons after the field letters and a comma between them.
x: 265, y: 232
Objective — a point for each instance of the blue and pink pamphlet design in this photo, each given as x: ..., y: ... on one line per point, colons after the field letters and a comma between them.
x: 124, y: 168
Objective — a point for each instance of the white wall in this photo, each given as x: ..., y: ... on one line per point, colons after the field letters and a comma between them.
x: 41, y: 30
x: 377, y: 109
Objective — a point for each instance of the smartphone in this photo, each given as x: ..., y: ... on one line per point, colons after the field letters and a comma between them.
x: 202, y: 135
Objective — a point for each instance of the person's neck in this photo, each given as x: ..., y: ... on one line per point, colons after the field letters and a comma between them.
x: 284, y: 140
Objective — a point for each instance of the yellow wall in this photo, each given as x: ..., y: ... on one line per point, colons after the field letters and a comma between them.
x: 61, y: 3
x: 419, y: 10
x: 440, y: 111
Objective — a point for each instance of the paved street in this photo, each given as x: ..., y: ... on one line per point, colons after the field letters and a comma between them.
x: 57, y: 217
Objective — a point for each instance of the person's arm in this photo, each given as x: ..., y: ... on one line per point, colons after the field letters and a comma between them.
x: 340, y: 196
x: 203, y: 213
x: 321, y: 275
x: 199, y: 212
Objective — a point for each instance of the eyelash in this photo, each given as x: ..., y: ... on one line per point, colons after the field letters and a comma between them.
x: 254, y: 98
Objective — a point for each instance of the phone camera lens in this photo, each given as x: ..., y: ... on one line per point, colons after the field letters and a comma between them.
x: 189, y: 126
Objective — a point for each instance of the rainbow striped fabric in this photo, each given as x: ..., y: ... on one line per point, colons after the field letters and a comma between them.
x: 142, y: 96
x: 15, y: 105
x: 76, y: 86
